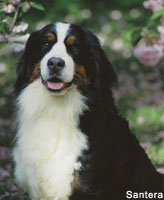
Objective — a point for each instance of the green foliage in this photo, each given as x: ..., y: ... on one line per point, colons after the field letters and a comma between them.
x: 37, y: 6
x: 135, y: 35
x: 147, y: 123
x: 157, y: 15
x: 11, y: 14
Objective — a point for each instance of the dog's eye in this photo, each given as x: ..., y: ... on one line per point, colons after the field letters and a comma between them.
x: 74, y: 47
x: 45, y: 44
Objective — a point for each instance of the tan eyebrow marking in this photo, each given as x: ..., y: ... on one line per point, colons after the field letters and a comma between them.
x: 70, y: 40
x: 51, y: 37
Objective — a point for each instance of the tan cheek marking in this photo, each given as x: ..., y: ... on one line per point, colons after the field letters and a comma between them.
x: 70, y: 41
x: 35, y: 73
x: 51, y: 37
x: 75, y: 180
x: 83, y: 80
x: 80, y: 70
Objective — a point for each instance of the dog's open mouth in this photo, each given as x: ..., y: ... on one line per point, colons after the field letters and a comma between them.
x: 56, y: 85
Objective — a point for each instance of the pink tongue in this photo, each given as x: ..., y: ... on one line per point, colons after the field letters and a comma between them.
x: 55, y: 86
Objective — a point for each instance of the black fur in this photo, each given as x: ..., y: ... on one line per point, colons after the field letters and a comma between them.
x: 115, y: 162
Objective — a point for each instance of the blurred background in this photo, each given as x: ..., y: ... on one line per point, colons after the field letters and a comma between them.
x: 122, y: 27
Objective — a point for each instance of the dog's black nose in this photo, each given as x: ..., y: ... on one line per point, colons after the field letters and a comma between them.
x: 55, y: 64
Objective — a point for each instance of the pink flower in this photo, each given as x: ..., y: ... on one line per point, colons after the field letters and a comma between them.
x: 26, y: 7
x: 22, y: 38
x: 15, y: 2
x: 161, y: 170
x: 149, y: 55
x: 4, y: 174
x: 161, y: 36
x: 160, y: 134
x: 161, y: 1
x: 145, y: 145
x: 2, y: 38
x: 17, y: 47
x: 153, y: 5
x: 3, y: 152
x: 140, y: 120
x: 20, y: 28
x: 8, y: 8
x: 161, y: 29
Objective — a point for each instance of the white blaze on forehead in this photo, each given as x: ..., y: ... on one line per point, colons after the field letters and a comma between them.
x: 62, y: 30
x: 59, y: 50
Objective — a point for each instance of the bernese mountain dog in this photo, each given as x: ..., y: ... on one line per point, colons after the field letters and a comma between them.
x: 71, y: 143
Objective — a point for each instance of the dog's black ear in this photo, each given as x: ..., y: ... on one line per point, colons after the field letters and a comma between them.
x: 104, y: 78
x: 25, y: 60
x: 107, y: 75
x: 21, y: 75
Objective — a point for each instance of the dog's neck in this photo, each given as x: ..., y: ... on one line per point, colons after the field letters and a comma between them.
x: 36, y: 101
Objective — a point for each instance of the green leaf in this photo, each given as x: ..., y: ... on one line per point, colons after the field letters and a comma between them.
x: 10, y: 19
x: 136, y: 35
x: 37, y: 6
x: 20, y: 14
x: 157, y: 15
x: 4, y: 45
x: 21, y: 4
x: 161, y: 154
x: 2, y: 15
x: 2, y: 27
x: 17, y: 42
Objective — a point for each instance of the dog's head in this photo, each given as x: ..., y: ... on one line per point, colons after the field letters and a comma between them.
x: 64, y: 55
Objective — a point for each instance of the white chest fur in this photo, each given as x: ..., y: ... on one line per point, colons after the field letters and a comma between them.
x: 48, y: 141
